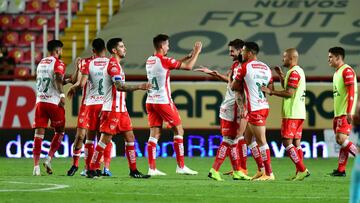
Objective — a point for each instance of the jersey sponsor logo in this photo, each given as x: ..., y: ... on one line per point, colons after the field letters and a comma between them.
x: 150, y: 62
x: 100, y: 63
x: 259, y: 66
x: 46, y: 61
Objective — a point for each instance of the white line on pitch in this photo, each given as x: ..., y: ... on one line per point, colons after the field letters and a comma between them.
x: 52, y: 187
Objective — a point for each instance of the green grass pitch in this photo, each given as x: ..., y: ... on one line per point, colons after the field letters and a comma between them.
x: 18, y: 185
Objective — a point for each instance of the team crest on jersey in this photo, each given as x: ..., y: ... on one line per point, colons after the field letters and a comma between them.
x: 173, y: 60
x: 81, y: 120
x: 60, y: 67
x: 112, y: 127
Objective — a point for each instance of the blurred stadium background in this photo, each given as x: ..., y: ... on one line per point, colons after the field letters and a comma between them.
x: 311, y: 26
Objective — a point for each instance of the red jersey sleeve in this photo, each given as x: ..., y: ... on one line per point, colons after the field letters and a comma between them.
x: 348, y: 76
x: 170, y: 63
x: 59, y: 67
x: 293, y: 80
x: 241, y: 72
x: 114, y: 71
x: 84, y: 67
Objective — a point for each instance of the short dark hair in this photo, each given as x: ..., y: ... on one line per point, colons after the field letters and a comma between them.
x: 54, y: 44
x: 252, y: 46
x: 236, y: 43
x: 337, y: 51
x: 112, y: 43
x: 159, y: 39
x: 98, y: 45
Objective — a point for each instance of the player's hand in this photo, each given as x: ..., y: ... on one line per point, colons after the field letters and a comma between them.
x: 62, y: 102
x: 266, y: 90
x: 205, y: 69
x: 278, y: 70
x: 349, y: 118
x: 145, y: 86
x: 197, y: 47
x: 77, y: 63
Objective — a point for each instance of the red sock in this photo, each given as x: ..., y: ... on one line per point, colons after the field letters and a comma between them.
x: 300, y: 155
x: 55, y: 143
x: 107, y: 155
x: 343, y: 157
x: 293, y: 155
x: 234, y: 157
x: 351, y: 148
x: 95, y: 161
x: 255, y: 152
x: 179, y: 150
x: 242, y: 149
x: 151, y: 149
x: 265, y: 155
x: 131, y: 154
x: 88, y: 151
x: 37, y: 148
x: 221, y: 154
x: 76, y: 157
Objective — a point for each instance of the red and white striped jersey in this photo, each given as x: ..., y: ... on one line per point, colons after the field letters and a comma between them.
x: 254, y: 75
x: 84, y: 64
x: 228, y: 108
x: 95, y: 88
x: 113, y: 100
x: 45, y: 79
x: 158, y: 69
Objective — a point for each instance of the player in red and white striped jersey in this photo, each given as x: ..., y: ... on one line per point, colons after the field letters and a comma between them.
x: 159, y: 104
x: 91, y: 73
x: 50, y: 103
x: 253, y: 75
x: 114, y: 116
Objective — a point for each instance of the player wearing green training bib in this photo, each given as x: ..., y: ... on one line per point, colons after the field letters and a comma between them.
x: 345, y: 96
x: 293, y: 109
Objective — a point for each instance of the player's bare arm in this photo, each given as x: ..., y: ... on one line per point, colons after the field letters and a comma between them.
x: 213, y: 73
x: 289, y: 92
x: 79, y: 84
x: 281, y: 75
x: 187, y: 57
x: 59, y: 86
x: 189, y: 64
x: 130, y: 88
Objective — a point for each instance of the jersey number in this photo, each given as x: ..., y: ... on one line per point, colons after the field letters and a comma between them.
x: 100, y: 89
x: 155, y: 85
x: 41, y: 82
x: 260, y: 92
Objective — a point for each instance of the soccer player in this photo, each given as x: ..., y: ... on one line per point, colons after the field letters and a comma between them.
x: 159, y: 104
x: 114, y: 116
x: 250, y: 78
x: 345, y: 96
x: 233, y: 143
x: 50, y: 103
x: 89, y: 117
x: 293, y: 109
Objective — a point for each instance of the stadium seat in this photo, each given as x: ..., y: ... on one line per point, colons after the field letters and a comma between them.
x: 33, y: 6
x: 49, y: 7
x: 16, y: 6
x: 3, y: 5
x: 37, y: 23
x: 17, y: 54
x: 5, y: 21
x: 62, y: 23
x: 25, y: 39
x: 39, y: 39
x: 22, y: 71
x: 10, y: 38
x: 63, y: 7
x: 27, y: 56
x: 21, y: 22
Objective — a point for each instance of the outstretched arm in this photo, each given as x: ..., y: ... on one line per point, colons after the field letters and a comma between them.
x: 213, y: 73
x: 120, y: 86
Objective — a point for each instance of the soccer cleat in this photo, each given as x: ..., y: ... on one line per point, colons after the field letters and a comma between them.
x: 215, y: 175
x: 265, y: 177
x: 92, y: 174
x: 185, y: 171
x: 47, y: 165
x: 291, y: 177
x: 137, y: 174
x: 257, y: 175
x: 36, y: 171
x: 83, y: 172
x: 72, y: 170
x: 301, y: 175
x: 239, y: 175
x: 106, y: 172
x: 155, y: 172
x: 338, y: 173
